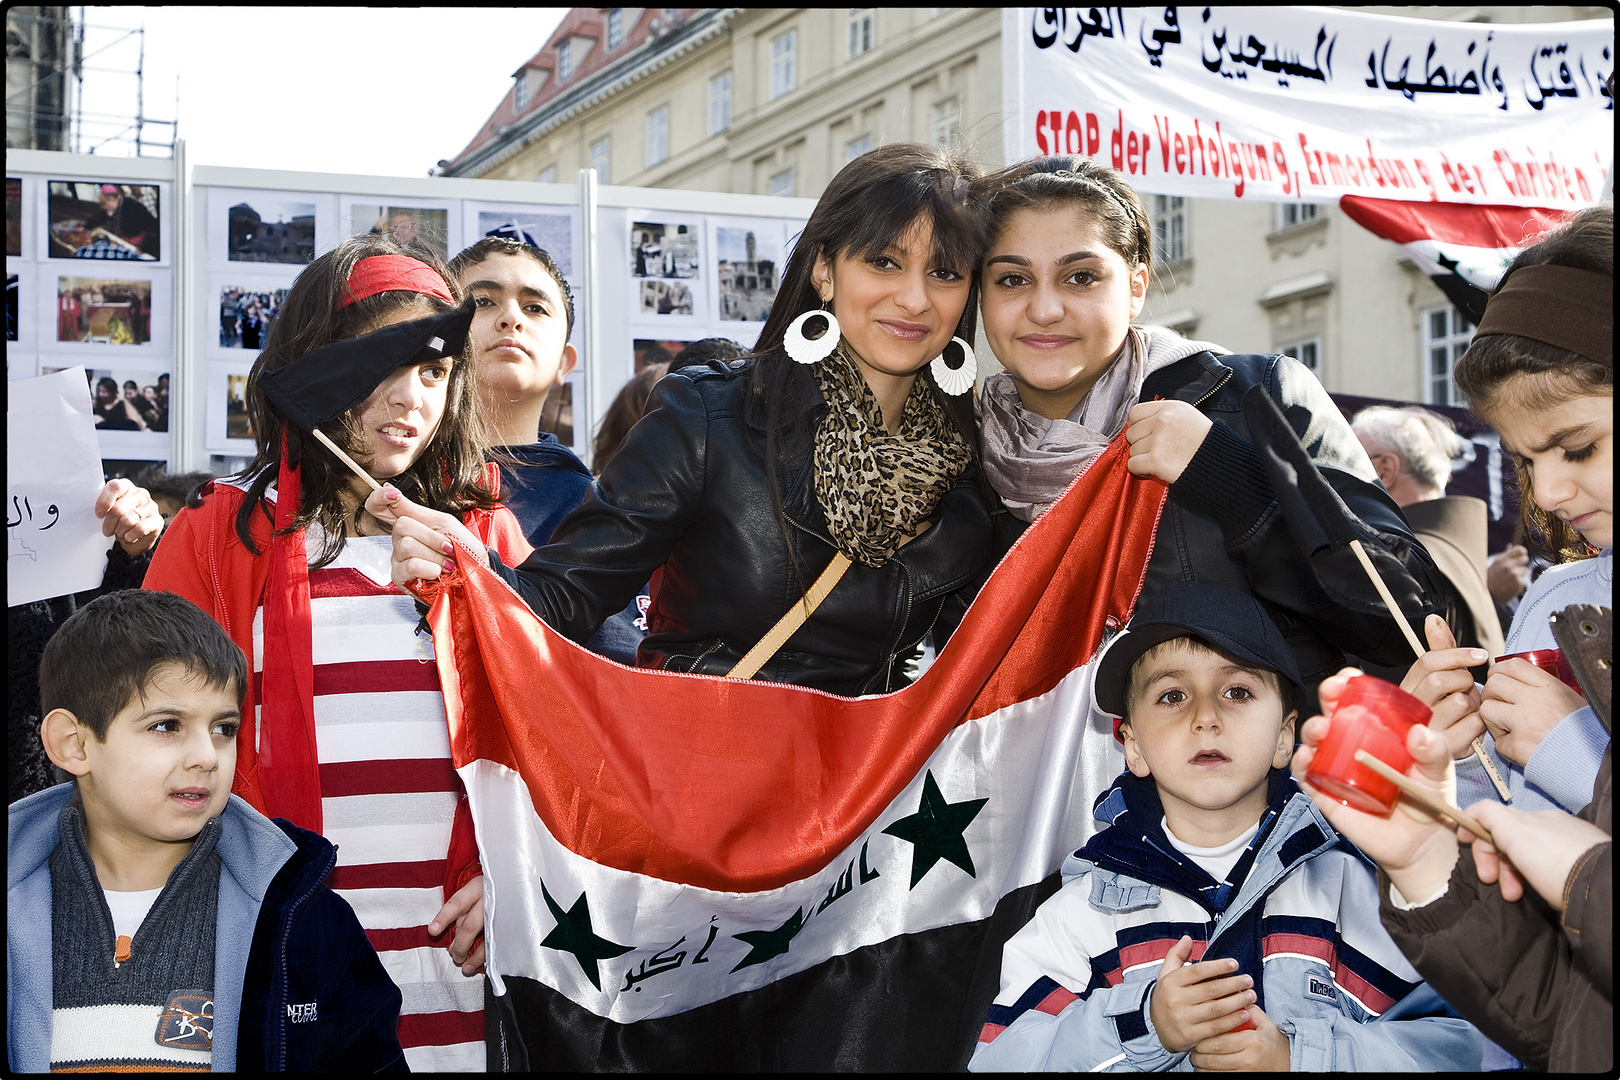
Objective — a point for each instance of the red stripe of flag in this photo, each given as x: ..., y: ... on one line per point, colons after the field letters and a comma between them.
x: 345, y: 582
x: 1451, y: 223
x: 441, y: 1028
x: 366, y: 677
x: 403, y: 938
x: 739, y: 785
x: 386, y: 777
x: 395, y: 875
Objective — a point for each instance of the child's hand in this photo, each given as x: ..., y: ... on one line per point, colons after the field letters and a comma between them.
x: 1193, y: 1002
x: 1522, y: 704
x: 466, y: 911
x: 422, y: 537
x: 1263, y: 1049
x: 1442, y: 681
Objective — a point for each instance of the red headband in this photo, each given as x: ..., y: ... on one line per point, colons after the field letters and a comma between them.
x: 393, y: 273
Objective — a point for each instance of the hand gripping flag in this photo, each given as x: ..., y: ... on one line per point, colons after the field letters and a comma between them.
x: 699, y: 873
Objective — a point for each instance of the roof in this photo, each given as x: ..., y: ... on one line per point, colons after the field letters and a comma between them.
x: 652, y: 28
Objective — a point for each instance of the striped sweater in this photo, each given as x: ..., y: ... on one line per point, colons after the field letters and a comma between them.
x: 1299, y: 912
x: 388, y: 791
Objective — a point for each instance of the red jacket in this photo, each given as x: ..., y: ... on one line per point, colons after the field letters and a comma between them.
x: 202, y: 558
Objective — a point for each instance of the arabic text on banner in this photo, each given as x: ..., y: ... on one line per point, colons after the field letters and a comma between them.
x: 54, y: 544
x: 1311, y: 104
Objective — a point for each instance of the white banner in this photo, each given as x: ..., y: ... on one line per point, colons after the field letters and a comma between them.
x: 1311, y: 103
x: 54, y: 544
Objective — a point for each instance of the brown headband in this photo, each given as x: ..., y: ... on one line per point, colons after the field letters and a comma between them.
x: 1559, y: 305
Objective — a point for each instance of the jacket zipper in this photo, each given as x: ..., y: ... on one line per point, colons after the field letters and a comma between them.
x: 1222, y: 381
x: 280, y: 1014
x: 894, y: 650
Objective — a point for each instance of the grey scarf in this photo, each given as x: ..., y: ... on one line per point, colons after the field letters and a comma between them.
x: 1031, y: 460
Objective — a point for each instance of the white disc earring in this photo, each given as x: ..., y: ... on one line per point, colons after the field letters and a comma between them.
x: 955, y: 368
x: 804, y: 348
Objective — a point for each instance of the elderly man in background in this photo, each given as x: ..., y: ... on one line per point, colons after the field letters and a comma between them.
x: 1412, y: 449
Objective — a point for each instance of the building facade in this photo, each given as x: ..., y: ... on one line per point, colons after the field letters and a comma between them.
x: 774, y: 101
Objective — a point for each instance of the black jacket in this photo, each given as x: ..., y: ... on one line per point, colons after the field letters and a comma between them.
x: 688, y: 496
x: 1221, y: 524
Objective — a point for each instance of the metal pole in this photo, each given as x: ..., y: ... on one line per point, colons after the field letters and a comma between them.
x: 585, y: 421
x: 188, y: 380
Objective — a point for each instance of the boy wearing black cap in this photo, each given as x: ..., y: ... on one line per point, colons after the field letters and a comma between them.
x: 1212, y: 855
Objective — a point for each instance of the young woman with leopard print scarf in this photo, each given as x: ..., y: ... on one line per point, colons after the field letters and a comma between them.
x: 745, y: 480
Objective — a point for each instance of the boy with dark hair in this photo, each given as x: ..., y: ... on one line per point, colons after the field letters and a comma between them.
x: 1218, y: 922
x: 156, y: 922
x: 520, y: 332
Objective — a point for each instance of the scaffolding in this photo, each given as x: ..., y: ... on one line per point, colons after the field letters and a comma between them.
x: 46, y: 64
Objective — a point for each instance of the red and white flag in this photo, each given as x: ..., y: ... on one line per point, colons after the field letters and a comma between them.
x: 692, y: 872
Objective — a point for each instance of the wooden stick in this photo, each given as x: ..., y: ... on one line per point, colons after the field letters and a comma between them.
x: 346, y: 459
x: 1424, y: 796
x: 1417, y: 647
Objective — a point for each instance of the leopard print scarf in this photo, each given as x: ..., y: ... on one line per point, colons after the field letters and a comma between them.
x: 876, y: 488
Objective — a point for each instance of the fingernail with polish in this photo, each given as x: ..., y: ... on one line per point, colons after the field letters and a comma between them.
x: 390, y: 493
x: 449, y: 548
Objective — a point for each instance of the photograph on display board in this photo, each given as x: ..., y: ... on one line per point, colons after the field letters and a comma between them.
x: 407, y: 224
x: 553, y: 233
x: 238, y: 422
x: 749, y: 260
x: 663, y: 250
x: 246, y: 313
x: 103, y: 220
x: 665, y: 298
x: 125, y: 399
x: 11, y: 307
x: 648, y: 351
x: 103, y: 311
x: 268, y: 229
x: 13, y: 215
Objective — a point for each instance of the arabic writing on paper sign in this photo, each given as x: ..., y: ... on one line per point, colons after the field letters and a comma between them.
x: 24, y: 526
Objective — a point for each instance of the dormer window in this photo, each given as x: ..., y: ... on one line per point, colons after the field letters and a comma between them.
x: 615, y: 27
x: 565, y: 60
x: 521, y: 94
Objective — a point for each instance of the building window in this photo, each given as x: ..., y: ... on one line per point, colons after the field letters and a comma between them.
x: 1169, y: 229
x: 860, y: 32
x: 1295, y: 214
x: 521, y: 100
x: 720, y: 103
x: 782, y: 183
x: 657, y: 135
x: 1308, y: 352
x: 784, y: 67
x: 548, y: 175
x: 565, y: 61
x: 945, y: 120
x: 856, y: 147
x: 615, y: 29
x: 1446, y: 334
x: 600, y: 150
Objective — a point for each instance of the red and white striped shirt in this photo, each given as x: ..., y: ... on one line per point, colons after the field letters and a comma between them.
x: 388, y: 791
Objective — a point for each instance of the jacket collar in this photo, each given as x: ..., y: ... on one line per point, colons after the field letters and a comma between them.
x: 1190, y: 379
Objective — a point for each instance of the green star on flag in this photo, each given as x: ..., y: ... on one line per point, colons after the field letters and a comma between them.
x: 936, y: 830
x: 573, y: 934
x: 764, y: 944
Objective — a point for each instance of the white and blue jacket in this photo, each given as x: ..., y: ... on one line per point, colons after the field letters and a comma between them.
x: 1299, y: 912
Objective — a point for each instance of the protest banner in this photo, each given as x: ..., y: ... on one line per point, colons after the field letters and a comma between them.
x: 54, y: 544
x: 1286, y: 103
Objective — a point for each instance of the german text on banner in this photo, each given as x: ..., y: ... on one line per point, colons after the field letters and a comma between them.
x: 691, y: 872
x: 1284, y: 103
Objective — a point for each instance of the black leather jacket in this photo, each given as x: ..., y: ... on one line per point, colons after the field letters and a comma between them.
x: 1221, y: 524
x: 687, y: 496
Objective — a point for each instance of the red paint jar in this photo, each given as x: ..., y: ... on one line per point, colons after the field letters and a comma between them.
x: 1374, y: 716
x: 1551, y: 661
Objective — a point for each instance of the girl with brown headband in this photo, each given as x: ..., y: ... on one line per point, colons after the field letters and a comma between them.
x: 849, y: 432
x: 1540, y: 371
x: 350, y: 738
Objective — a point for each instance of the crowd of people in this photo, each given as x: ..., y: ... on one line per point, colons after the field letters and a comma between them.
x: 245, y: 318
x: 1229, y: 915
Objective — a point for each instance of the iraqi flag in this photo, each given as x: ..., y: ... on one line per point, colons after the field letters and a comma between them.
x: 698, y: 873
x: 1464, y: 248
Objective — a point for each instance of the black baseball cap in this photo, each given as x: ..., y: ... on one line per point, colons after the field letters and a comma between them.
x: 1232, y: 622
x: 327, y: 382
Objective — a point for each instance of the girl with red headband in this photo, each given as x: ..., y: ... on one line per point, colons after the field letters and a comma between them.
x: 349, y: 738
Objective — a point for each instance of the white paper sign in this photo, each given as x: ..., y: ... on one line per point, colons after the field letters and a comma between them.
x: 1284, y: 103
x: 54, y: 544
